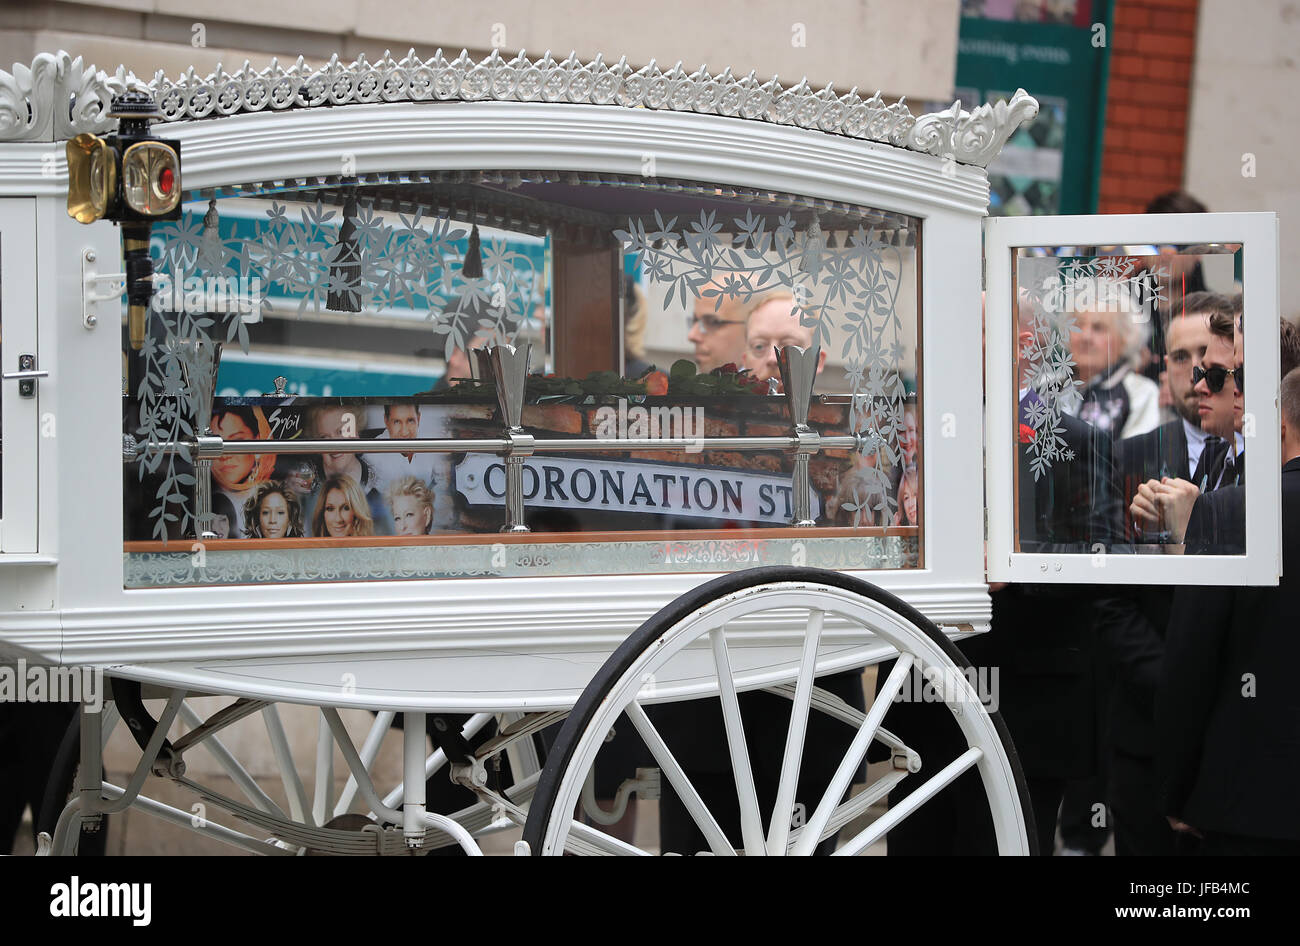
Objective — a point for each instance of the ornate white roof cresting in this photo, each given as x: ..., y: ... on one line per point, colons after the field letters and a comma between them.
x: 56, y: 98
x: 30, y: 98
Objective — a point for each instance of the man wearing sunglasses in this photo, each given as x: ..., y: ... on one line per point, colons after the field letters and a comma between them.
x: 1166, y: 504
x: 1219, y: 384
x: 1217, y: 524
x: 1204, y: 360
x: 1226, y: 710
x: 1131, y: 619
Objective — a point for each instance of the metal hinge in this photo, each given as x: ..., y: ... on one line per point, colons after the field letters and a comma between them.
x: 97, y: 287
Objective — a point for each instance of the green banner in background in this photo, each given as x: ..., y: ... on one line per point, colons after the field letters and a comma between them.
x: 1053, y: 164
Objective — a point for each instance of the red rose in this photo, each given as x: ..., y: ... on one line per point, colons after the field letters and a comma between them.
x: 656, y: 383
x: 729, y: 368
x: 1026, y: 433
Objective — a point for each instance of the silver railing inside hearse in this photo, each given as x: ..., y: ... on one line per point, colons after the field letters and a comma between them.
x: 507, y: 365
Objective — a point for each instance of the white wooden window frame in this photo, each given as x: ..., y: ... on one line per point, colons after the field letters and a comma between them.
x: 1257, y: 232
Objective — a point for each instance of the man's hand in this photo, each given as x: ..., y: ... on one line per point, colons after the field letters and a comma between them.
x: 1177, y: 499
x: 1145, y: 508
x: 1164, y: 505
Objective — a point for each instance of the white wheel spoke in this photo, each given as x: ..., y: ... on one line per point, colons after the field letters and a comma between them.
x: 778, y: 831
x: 299, y: 807
x: 323, y: 788
x: 775, y: 632
x: 853, y: 758
x: 751, y: 822
x: 676, y: 776
x: 369, y: 749
x: 927, y: 790
x: 238, y: 774
x: 605, y: 843
x: 857, y: 805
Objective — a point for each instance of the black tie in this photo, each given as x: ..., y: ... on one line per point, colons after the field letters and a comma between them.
x: 1210, y: 466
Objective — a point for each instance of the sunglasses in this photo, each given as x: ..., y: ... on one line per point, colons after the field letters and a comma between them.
x: 1216, y: 377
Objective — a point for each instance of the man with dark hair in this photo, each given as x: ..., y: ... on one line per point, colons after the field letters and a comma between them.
x: 1228, y: 755
x: 1175, y: 202
x: 1131, y: 620
x: 1183, y: 273
x: 1289, y: 351
x: 1134, y: 620
x: 1175, y: 448
x: 1046, y: 668
x: 401, y: 422
x: 1163, y: 506
x: 1219, y: 527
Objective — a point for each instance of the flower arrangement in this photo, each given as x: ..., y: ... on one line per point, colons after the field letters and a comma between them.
x: 682, y: 380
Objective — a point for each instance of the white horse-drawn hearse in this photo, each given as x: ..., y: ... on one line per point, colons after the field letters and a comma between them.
x: 367, y: 387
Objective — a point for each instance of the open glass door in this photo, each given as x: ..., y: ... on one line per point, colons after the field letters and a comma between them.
x: 19, y: 392
x: 1116, y: 353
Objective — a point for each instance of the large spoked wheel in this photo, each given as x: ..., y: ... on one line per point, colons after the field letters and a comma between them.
x: 741, y: 644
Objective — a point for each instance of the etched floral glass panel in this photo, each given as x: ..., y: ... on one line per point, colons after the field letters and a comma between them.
x: 1129, y: 400
x: 658, y: 434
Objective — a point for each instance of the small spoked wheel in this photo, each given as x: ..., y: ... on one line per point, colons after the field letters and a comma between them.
x: 735, y: 690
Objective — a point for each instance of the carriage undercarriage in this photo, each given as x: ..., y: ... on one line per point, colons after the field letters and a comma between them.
x: 540, y: 799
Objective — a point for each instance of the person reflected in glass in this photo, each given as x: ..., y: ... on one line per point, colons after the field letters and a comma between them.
x: 634, y: 325
x: 458, y: 362
x: 342, y: 510
x: 272, y: 512
x: 1164, y: 506
x: 1105, y: 344
x: 716, y: 325
x: 772, y: 321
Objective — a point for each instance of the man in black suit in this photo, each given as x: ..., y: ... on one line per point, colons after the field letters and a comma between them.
x: 1040, y: 643
x: 1176, y: 448
x: 1131, y: 620
x: 1227, y: 712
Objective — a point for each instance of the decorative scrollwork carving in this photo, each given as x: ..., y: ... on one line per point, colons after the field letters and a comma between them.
x: 971, y: 137
x: 30, y: 99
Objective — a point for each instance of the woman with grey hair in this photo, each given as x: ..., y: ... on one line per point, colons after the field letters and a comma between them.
x: 1105, y: 343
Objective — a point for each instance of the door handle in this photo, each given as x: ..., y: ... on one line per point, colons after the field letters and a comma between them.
x: 26, y: 375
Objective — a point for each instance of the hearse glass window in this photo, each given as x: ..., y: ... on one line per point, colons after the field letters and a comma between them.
x: 1129, y: 403
x: 634, y: 321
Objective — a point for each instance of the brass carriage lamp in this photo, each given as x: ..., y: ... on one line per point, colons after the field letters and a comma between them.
x: 132, y: 178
